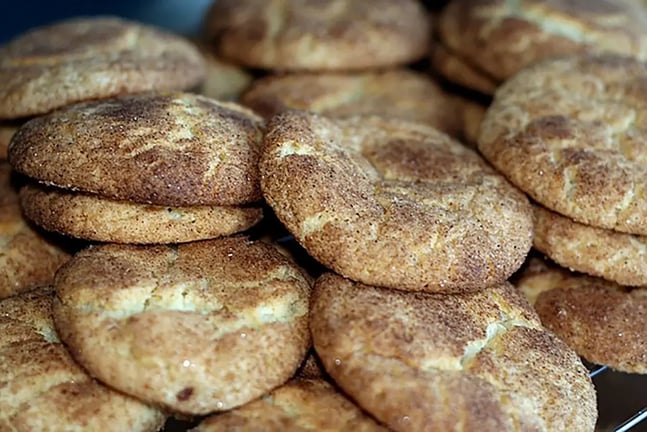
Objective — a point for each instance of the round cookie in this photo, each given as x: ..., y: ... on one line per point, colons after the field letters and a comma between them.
x: 91, y: 58
x: 480, y: 360
x: 94, y: 218
x: 223, y: 81
x: 7, y: 131
x: 201, y: 327
x: 315, y: 35
x: 174, y: 149
x: 457, y: 70
x: 501, y: 37
x: 27, y: 259
x: 603, y: 322
x: 397, y: 93
x: 569, y: 132
x: 300, y: 405
x: 42, y: 387
x: 615, y: 256
x: 392, y: 203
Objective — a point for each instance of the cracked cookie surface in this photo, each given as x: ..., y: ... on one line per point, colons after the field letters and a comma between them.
x: 175, y: 149
x: 500, y: 37
x: 44, y: 389
x: 392, y: 203
x: 604, y: 322
x: 201, y: 327
x: 298, y: 406
x: 91, y: 58
x: 473, y: 361
x: 316, y: 35
x: 570, y: 133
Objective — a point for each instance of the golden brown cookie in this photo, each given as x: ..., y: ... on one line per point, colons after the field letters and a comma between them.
x: 392, y: 203
x: 174, y: 149
x: 316, y: 35
x: 570, y: 132
x: 27, y: 259
x: 603, y: 322
x: 397, y: 93
x: 91, y: 58
x: 615, y: 256
x: 501, y: 37
x: 223, y: 80
x: 94, y: 218
x: 457, y: 70
x: 42, y: 387
x: 298, y: 406
x: 7, y: 131
x: 426, y: 362
x: 201, y: 327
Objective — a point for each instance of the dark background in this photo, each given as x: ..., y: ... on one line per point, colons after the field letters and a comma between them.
x: 182, y: 16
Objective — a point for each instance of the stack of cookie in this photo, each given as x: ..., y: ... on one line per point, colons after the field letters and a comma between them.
x: 340, y: 58
x: 52, y: 67
x: 167, y: 325
x: 569, y: 132
x: 483, y: 43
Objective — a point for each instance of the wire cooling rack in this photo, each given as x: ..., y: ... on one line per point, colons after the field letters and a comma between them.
x: 638, y: 421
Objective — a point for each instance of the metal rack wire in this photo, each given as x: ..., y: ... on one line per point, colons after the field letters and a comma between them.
x: 633, y: 421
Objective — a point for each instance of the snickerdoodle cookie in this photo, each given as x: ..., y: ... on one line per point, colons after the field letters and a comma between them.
x: 165, y: 149
x: 91, y: 58
x: 570, y: 132
x: 500, y: 37
x: 201, y: 327
x: 392, y: 203
x: 100, y: 219
x: 117, y: 166
x: 43, y: 389
x: 316, y: 35
x: 599, y: 252
x: 426, y: 362
x: 603, y: 322
x: 398, y: 93
x: 300, y: 405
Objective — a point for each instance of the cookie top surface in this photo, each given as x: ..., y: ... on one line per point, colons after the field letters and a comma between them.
x: 603, y: 322
x: 501, y: 37
x: 480, y: 360
x: 43, y: 389
x: 392, y: 203
x: 170, y: 149
x: 398, y: 93
x: 599, y: 252
x: 570, y: 132
x: 300, y: 405
x: 90, y: 58
x: 91, y: 217
x: 316, y: 35
x: 201, y: 327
